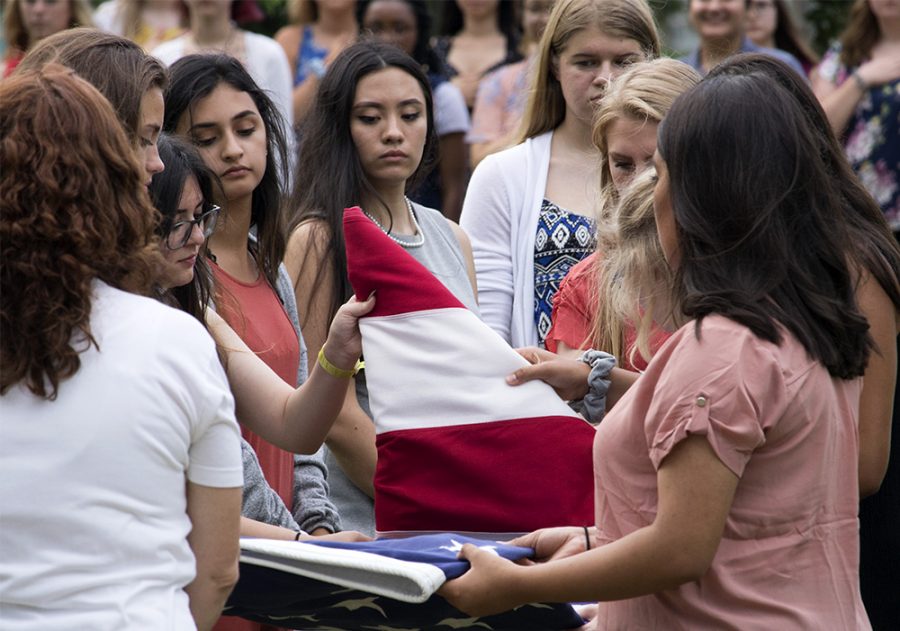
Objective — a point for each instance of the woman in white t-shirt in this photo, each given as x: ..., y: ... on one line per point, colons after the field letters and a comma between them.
x: 120, y: 466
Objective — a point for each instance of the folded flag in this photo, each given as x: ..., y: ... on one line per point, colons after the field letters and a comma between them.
x: 458, y: 448
x: 387, y: 585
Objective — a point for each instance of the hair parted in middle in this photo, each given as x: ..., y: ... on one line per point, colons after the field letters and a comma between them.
x: 332, y: 175
x: 116, y: 66
x: 423, y: 52
x: 183, y: 162
x: 761, y: 228
x: 545, y: 108
x: 74, y: 210
x: 644, y: 93
x: 194, y: 78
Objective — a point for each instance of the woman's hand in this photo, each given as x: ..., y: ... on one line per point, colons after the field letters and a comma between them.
x: 589, y: 613
x: 344, y: 343
x: 568, y: 377
x: 490, y: 586
x: 880, y: 70
x: 550, y: 544
x: 345, y: 536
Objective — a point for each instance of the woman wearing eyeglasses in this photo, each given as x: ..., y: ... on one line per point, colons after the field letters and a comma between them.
x: 265, y: 404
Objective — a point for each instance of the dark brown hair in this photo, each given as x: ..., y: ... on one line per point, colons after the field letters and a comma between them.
x: 761, y: 223
x: 871, y: 246
x: 329, y: 175
x: 74, y: 209
x: 118, y: 67
x: 194, y: 78
x: 788, y: 38
x: 183, y: 163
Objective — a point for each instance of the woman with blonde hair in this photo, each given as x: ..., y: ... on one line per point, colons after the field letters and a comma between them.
x: 627, y: 266
x: 528, y: 209
x: 726, y: 486
x: 25, y: 22
x: 120, y: 458
x: 624, y: 291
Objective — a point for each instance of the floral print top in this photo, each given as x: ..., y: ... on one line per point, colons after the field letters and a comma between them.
x: 872, y: 136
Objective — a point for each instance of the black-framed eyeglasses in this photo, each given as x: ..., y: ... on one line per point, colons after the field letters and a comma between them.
x: 179, y: 233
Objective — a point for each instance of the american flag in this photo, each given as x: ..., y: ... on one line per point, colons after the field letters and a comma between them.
x: 459, y: 449
x: 382, y: 585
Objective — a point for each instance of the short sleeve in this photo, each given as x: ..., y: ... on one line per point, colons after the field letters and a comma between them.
x: 215, y: 450
x: 450, y: 113
x: 726, y: 386
x: 571, y: 318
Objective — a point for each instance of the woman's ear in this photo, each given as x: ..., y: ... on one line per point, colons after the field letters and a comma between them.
x: 554, y: 67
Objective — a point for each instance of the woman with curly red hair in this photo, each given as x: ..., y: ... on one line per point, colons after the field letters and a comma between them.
x: 120, y: 462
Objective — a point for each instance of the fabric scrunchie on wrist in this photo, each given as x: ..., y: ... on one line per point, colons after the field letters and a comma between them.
x: 594, y: 402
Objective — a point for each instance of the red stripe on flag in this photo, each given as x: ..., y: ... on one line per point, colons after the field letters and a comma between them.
x: 375, y: 263
x: 501, y: 476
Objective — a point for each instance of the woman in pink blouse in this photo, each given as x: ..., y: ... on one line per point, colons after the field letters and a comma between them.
x: 726, y: 476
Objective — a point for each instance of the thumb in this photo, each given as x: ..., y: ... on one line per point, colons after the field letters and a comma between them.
x: 469, y: 553
x: 356, y: 308
x: 541, y: 371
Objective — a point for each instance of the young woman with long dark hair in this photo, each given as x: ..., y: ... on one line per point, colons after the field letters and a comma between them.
x: 295, y: 420
x: 407, y: 24
x: 748, y: 417
x: 214, y: 102
x: 368, y: 139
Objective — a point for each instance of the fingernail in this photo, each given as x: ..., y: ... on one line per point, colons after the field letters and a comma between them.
x: 512, y: 379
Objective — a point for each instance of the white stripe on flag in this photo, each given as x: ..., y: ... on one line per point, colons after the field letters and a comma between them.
x: 445, y: 367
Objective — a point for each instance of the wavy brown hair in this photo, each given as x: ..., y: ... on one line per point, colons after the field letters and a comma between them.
x: 73, y: 209
x: 116, y: 66
x: 860, y: 35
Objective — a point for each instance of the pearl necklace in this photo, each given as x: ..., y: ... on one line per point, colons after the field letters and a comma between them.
x: 412, y: 217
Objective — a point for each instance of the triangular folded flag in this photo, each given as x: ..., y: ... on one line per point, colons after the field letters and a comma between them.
x: 458, y: 448
x: 385, y: 584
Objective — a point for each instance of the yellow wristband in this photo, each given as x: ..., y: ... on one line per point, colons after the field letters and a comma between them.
x: 333, y: 370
